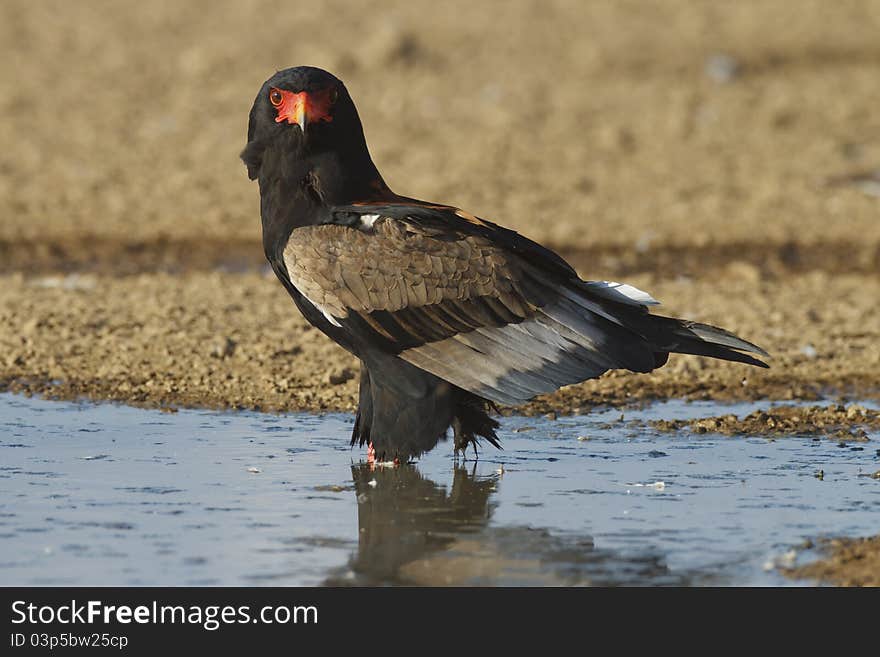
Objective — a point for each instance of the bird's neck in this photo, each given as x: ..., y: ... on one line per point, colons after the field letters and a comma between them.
x: 299, y: 191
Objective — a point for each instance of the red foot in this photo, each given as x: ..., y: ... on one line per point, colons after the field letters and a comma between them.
x: 371, y: 457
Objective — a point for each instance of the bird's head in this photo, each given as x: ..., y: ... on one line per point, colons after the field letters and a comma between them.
x: 301, y: 111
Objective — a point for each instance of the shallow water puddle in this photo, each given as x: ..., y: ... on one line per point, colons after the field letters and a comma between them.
x: 111, y: 495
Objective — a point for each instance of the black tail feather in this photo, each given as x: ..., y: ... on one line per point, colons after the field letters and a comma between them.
x: 685, y: 337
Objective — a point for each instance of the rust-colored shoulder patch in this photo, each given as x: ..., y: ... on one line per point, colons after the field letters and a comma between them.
x: 366, y: 204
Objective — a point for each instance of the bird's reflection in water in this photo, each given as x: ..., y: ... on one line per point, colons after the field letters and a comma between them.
x: 404, y: 517
x: 413, y: 531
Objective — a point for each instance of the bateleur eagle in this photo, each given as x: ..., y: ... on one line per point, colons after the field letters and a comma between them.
x: 449, y: 314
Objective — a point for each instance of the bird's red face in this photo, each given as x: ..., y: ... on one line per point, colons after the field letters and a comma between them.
x: 301, y: 113
x: 303, y: 108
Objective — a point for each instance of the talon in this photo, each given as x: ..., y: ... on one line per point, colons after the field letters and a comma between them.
x: 371, y: 454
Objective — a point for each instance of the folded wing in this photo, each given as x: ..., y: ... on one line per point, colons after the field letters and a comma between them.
x: 488, y: 311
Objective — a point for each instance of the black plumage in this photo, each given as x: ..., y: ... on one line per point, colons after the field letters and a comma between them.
x: 448, y: 313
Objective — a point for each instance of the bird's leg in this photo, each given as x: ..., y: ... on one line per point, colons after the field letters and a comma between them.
x: 373, y: 460
x: 460, y: 442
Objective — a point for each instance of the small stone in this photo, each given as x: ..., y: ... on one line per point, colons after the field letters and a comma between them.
x: 339, y: 376
x: 809, y: 351
x: 223, y: 348
x: 330, y: 488
x: 722, y: 68
x: 854, y: 410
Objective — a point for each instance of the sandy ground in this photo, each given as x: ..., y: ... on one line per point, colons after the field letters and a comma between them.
x: 729, y: 163
x: 223, y: 340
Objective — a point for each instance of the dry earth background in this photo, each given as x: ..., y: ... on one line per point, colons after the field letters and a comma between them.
x: 723, y: 156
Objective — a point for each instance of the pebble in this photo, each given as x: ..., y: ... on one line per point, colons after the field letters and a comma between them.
x: 657, y: 485
x: 809, y: 351
x: 339, y: 376
x: 223, y: 348
x: 722, y: 68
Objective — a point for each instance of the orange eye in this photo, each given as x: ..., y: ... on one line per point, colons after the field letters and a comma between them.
x: 275, y: 97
